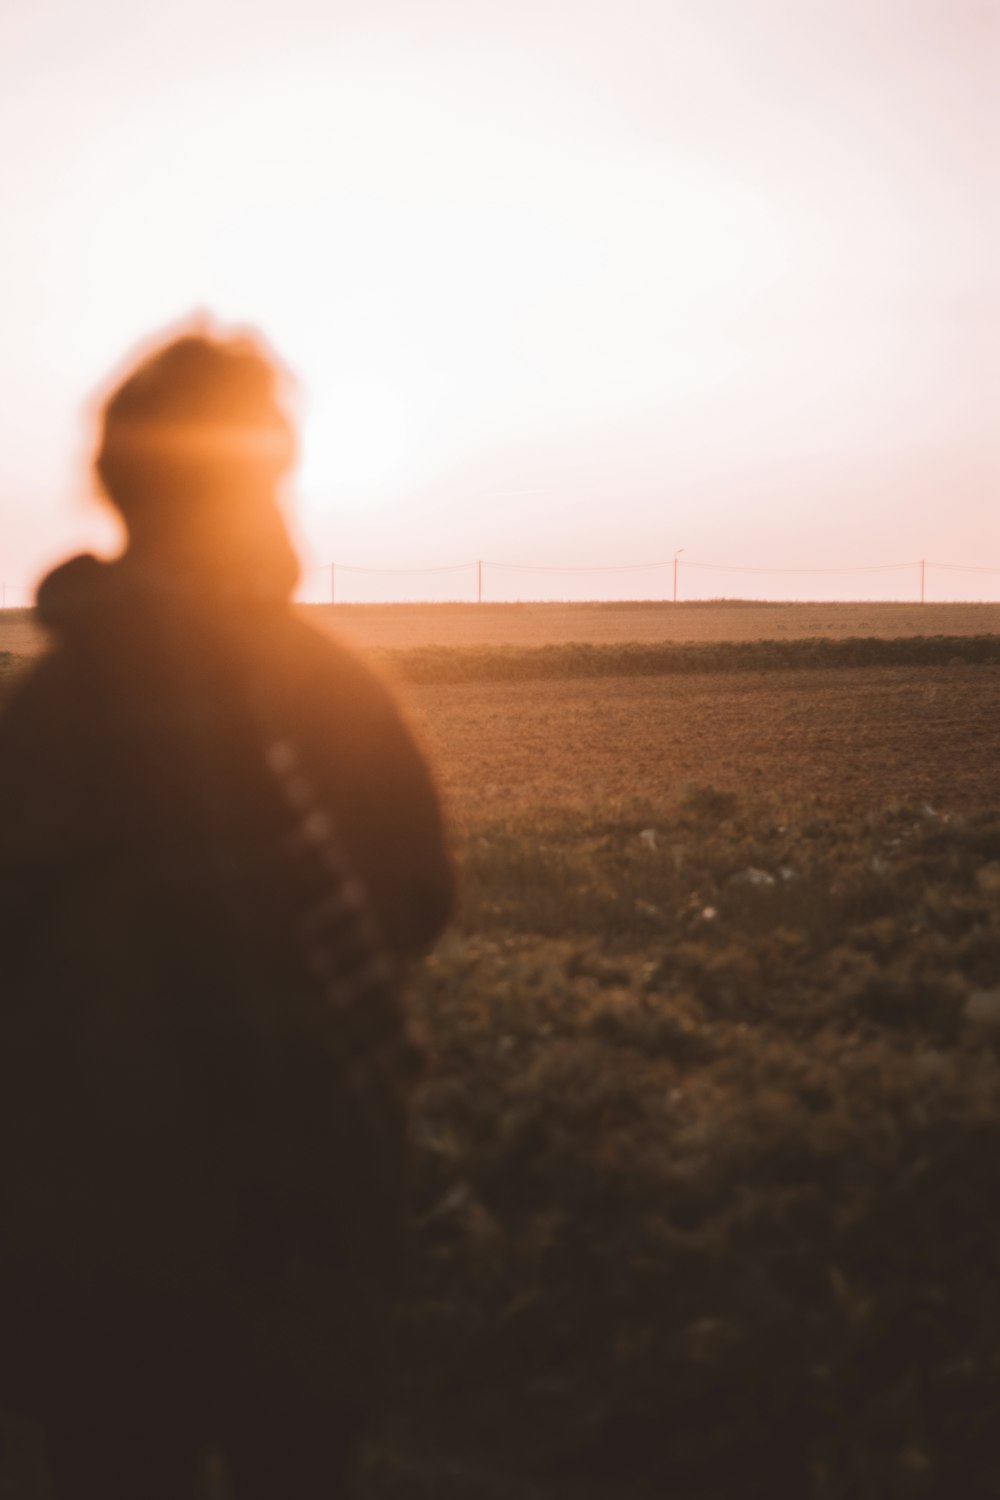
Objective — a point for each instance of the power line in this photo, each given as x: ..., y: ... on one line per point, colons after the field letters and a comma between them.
x: 556, y: 568
x: 478, y: 569
x: 444, y: 568
x: 358, y: 568
x: 646, y: 567
x: 740, y: 568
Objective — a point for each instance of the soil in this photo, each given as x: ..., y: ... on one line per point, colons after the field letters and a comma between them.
x: 858, y: 737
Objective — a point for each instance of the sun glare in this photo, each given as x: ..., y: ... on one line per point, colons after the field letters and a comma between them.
x: 621, y: 265
x: 356, y: 439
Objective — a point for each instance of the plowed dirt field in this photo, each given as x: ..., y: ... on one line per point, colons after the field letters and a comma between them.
x: 865, y: 736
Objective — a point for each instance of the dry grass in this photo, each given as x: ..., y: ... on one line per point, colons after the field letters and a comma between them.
x: 401, y: 626
x: 20, y: 634
x: 707, y: 1163
x: 859, y: 737
x: 507, y: 664
x: 707, y: 1167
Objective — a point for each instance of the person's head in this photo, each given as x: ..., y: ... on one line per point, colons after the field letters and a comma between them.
x: 194, y: 445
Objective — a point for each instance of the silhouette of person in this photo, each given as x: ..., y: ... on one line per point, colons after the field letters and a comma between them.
x: 219, y: 847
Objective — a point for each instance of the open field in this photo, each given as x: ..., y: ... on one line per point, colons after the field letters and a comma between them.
x: 399, y: 626
x: 868, y: 736
x: 402, y: 626
x: 708, y: 1157
x: 707, y: 1161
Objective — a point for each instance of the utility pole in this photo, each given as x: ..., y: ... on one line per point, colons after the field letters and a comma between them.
x: 923, y: 567
x: 479, y: 581
x: 676, y: 556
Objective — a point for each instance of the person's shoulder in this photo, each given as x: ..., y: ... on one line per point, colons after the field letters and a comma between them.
x: 308, y: 655
x: 59, y: 682
x: 48, y: 686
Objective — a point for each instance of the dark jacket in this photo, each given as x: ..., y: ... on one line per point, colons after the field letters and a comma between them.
x: 159, y: 1087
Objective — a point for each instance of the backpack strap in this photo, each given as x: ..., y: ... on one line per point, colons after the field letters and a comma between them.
x: 357, y: 981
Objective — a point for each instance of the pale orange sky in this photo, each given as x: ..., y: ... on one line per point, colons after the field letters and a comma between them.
x: 563, y: 282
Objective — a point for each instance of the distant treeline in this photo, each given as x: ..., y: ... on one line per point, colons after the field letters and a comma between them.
x: 428, y: 664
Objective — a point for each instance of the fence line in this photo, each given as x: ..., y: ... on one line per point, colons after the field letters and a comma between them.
x: 674, y: 569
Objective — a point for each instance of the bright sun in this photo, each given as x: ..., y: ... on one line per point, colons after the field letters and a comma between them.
x: 356, y: 437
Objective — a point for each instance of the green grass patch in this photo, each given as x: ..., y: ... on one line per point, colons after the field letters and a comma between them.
x: 447, y: 664
x: 478, y: 664
x: 707, y: 1162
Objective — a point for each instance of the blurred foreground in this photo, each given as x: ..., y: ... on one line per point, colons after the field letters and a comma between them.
x: 709, y: 1163
x: 707, y: 1166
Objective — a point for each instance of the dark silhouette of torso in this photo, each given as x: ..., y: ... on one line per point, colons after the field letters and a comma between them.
x: 178, y: 1152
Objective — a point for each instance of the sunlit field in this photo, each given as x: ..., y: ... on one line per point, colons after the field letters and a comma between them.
x: 490, y: 303
x: 707, y: 1161
x: 403, y: 626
